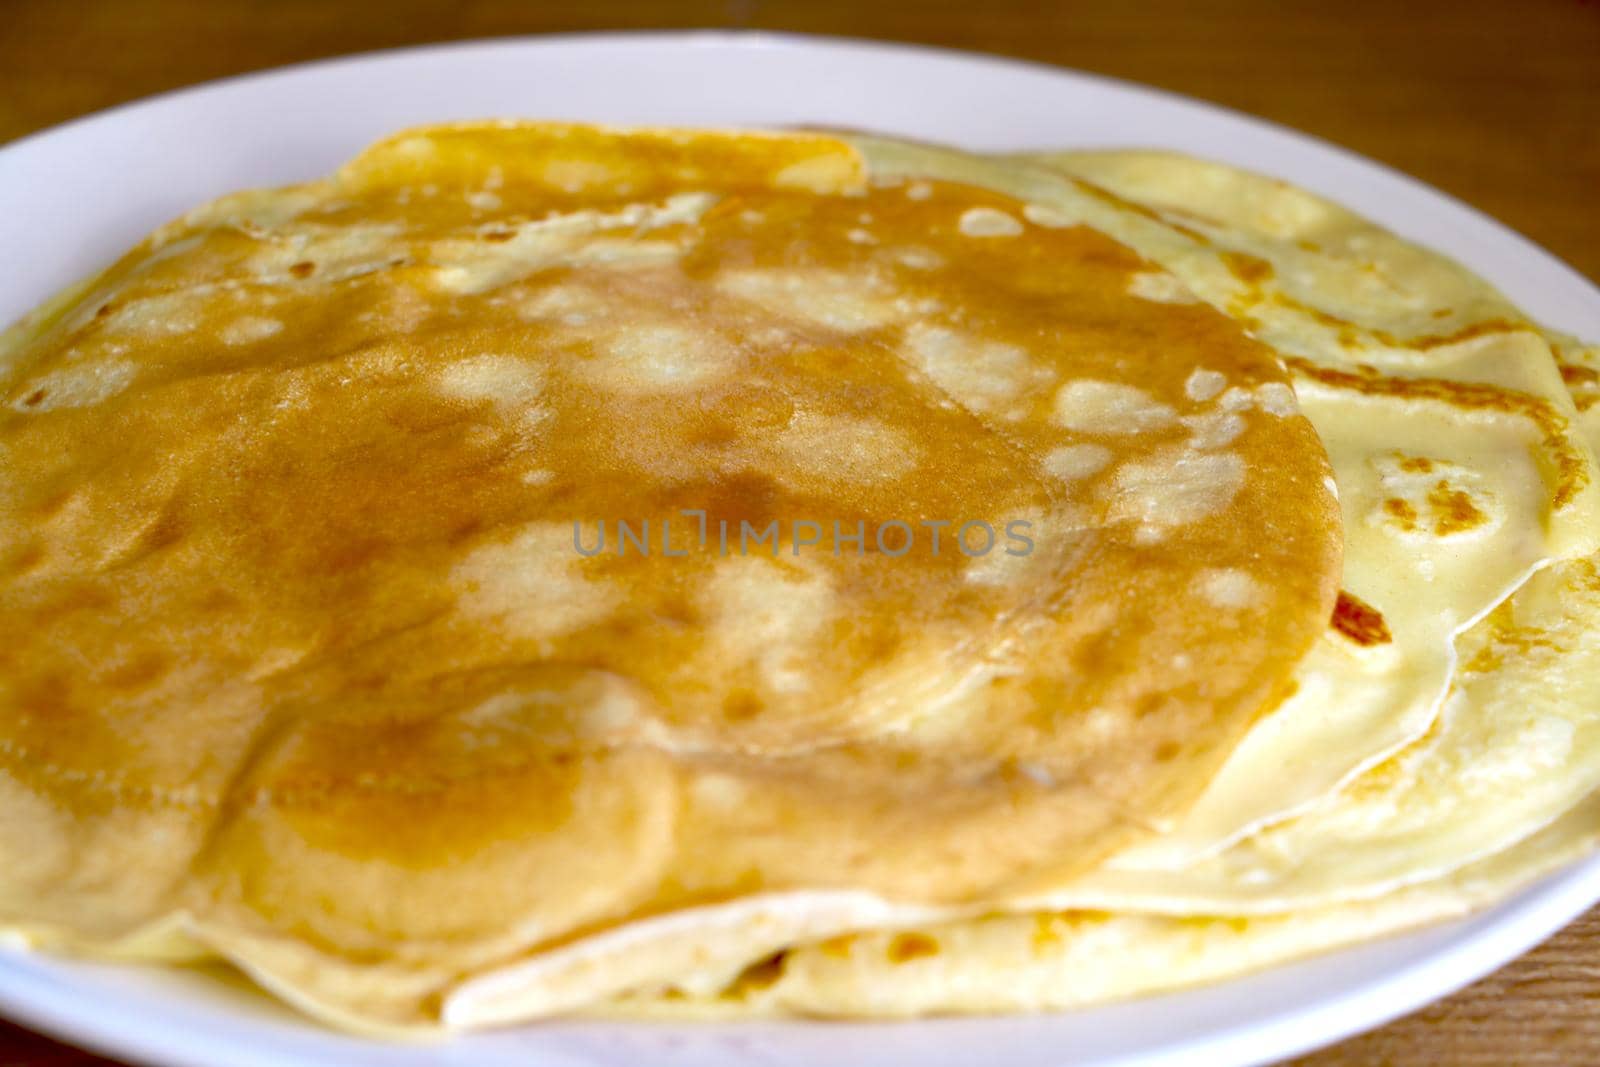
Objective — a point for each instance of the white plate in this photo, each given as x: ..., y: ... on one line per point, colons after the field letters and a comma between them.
x: 78, y: 195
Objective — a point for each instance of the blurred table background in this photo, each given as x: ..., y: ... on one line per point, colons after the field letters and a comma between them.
x: 1494, y: 101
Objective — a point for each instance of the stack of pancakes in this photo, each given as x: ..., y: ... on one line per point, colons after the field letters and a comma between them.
x: 1019, y: 582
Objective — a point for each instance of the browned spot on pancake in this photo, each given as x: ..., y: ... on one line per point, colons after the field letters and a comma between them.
x: 1307, y: 246
x: 880, y: 639
x: 837, y: 947
x: 168, y: 529
x: 302, y: 269
x: 1052, y: 928
x: 1584, y: 383
x: 1441, y: 313
x: 903, y: 948
x: 46, y: 692
x: 27, y: 558
x: 1048, y: 928
x: 34, y: 398
x: 1571, y: 473
x: 464, y: 530
x: 103, y: 310
x: 1360, y: 621
x: 1416, y: 464
x: 351, y: 555
x: 741, y: 705
x: 715, y: 433
x: 1166, y: 751
x: 137, y: 673
x: 743, y: 498
x: 77, y: 599
x: 679, y: 610
x: 1252, y: 270
x: 1511, y: 639
x: 1402, y: 511
x: 1486, y: 659
x: 1573, y: 374
x: 759, y: 975
x: 52, y: 504
x: 217, y: 600
x: 1439, y: 340
x: 1453, y: 509
x: 498, y: 236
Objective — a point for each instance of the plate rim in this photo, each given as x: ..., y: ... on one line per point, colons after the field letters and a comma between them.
x: 716, y: 37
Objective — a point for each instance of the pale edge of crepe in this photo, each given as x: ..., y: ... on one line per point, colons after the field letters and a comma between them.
x: 1353, y: 707
x: 1046, y: 961
x: 1329, y: 266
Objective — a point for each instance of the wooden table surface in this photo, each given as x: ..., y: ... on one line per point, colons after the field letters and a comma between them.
x: 1494, y: 101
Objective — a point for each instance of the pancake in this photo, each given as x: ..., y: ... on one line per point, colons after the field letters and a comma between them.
x: 311, y: 659
x: 1059, y: 961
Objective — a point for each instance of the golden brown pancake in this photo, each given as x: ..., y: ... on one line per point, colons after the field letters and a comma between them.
x: 303, y: 656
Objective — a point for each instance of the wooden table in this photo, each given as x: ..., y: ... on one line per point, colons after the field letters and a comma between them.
x: 1494, y: 101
